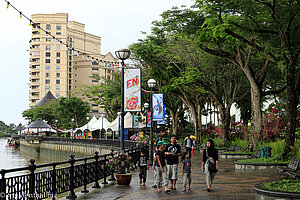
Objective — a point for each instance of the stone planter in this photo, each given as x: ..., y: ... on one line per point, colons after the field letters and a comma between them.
x: 264, y: 194
x: 258, y: 168
x: 235, y: 155
x: 124, y: 179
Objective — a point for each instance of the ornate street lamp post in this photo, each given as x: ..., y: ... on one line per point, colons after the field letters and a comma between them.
x: 151, y: 84
x: 122, y: 54
x: 87, y: 127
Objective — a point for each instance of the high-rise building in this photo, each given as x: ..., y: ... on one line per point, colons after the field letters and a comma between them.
x: 61, y: 69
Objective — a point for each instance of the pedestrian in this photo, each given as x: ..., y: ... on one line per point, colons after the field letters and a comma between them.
x: 143, y: 166
x: 186, y: 171
x: 210, y: 158
x: 189, y: 144
x: 172, y: 152
x: 153, y: 166
x: 160, y: 167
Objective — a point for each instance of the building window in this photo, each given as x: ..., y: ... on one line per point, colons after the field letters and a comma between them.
x: 70, y: 69
x: 57, y: 95
x: 94, y: 63
x: 35, y: 53
x: 95, y: 81
x: 70, y: 57
x: 57, y: 67
x: 70, y: 64
x: 70, y: 88
x: 47, y: 81
x: 70, y: 75
x: 57, y: 60
x: 47, y: 54
x: 58, y: 47
x: 57, y: 81
x: 58, y: 33
x: 57, y: 75
x: 94, y: 104
x: 47, y: 60
x: 95, y: 111
x: 47, y: 88
x: 57, y: 54
x: 93, y: 68
x: 47, y: 75
x: 48, y: 39
x: 58, y: 27
x: 48, y: 48
x: 70, y: 82
x: 48, y: 27
x: 57, y: 88
x: 47, y: 67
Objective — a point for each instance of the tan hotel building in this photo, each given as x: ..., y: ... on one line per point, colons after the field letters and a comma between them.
x: 55, y: 68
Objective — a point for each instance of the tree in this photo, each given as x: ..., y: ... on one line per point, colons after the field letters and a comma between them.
x: 272, y: 32
x: 62, y: 109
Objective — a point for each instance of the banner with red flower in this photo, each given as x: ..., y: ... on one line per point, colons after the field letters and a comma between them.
x: 132, y: 90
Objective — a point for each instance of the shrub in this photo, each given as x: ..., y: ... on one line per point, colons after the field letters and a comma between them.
x: 119, y: 162
x: 241, y: 143
x: 285, y: 185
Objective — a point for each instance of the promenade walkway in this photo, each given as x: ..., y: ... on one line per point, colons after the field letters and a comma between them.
x: 227, y: 186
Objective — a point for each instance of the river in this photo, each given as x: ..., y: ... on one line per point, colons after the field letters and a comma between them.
x: 13, y: 157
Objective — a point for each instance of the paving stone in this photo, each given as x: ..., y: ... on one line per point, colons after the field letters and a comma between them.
x: 227, y: 185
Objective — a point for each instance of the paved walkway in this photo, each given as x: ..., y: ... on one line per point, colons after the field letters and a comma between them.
x: 227, y: 186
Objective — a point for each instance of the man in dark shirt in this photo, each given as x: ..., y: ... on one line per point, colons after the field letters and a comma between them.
x: 172, y: 152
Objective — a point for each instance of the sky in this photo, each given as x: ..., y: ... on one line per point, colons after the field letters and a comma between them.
x: 118, y: 22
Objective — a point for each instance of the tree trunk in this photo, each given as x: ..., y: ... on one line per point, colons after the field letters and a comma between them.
x: 199, y: 123
x: 225, y: 119
x: 292, y: 104
x: 174, y: 116
x: 256, y: 116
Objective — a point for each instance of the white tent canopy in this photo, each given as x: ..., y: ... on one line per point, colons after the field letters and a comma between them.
x: 98, y: 124
x: 128, y: 123
x: 88, y: 125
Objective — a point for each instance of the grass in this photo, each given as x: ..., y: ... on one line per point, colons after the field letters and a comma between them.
x: 285, y: 185
x: 262, y: 161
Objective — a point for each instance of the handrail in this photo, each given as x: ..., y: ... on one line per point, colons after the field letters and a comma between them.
x: 61, y: 178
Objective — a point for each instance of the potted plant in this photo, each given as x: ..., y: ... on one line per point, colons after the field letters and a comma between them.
x: 120, y: 162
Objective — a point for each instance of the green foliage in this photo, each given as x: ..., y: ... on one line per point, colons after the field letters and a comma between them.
x: 62, y: 109
x: 240, y: 143
x: 285, y: 185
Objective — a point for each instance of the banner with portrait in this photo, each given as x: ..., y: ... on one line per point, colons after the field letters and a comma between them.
x: 135, y: 121
x: 158, y: 107
x: 132, y: 90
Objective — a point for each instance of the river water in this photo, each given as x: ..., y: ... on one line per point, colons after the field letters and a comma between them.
x: 14, y: 157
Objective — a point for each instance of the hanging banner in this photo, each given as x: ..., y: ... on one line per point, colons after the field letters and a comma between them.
x: 132, y: 90
x: 148, y: 119
x: 135, y: 121
x: 163, y: 121
x: 158, y: 107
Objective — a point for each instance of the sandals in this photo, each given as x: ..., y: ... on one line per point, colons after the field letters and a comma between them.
x: 167, y: 191
x: 208, y: 189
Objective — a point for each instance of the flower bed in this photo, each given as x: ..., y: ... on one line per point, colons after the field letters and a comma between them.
x: 283, y: 189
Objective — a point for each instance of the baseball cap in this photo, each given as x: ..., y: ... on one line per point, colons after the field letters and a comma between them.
x: 161, y: 143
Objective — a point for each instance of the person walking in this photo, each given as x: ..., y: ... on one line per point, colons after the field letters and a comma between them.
x: 143, y: 166
x: 210, y: 163
x: 160, y: 167
x: 186, y: 171
x: 172, y: 152
x: 189, y: 144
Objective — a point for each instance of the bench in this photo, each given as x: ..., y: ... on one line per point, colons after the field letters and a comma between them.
x: 203, y: 145
x: 231, y: 148
x: 238, y: 148
x: 256, y: 155
x: 291, y: 169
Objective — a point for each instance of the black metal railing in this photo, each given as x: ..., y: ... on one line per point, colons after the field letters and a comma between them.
x: 48, y: 180
x: 103, y: 142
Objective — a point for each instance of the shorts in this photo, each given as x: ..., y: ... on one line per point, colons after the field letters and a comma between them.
x: 172, y: 171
